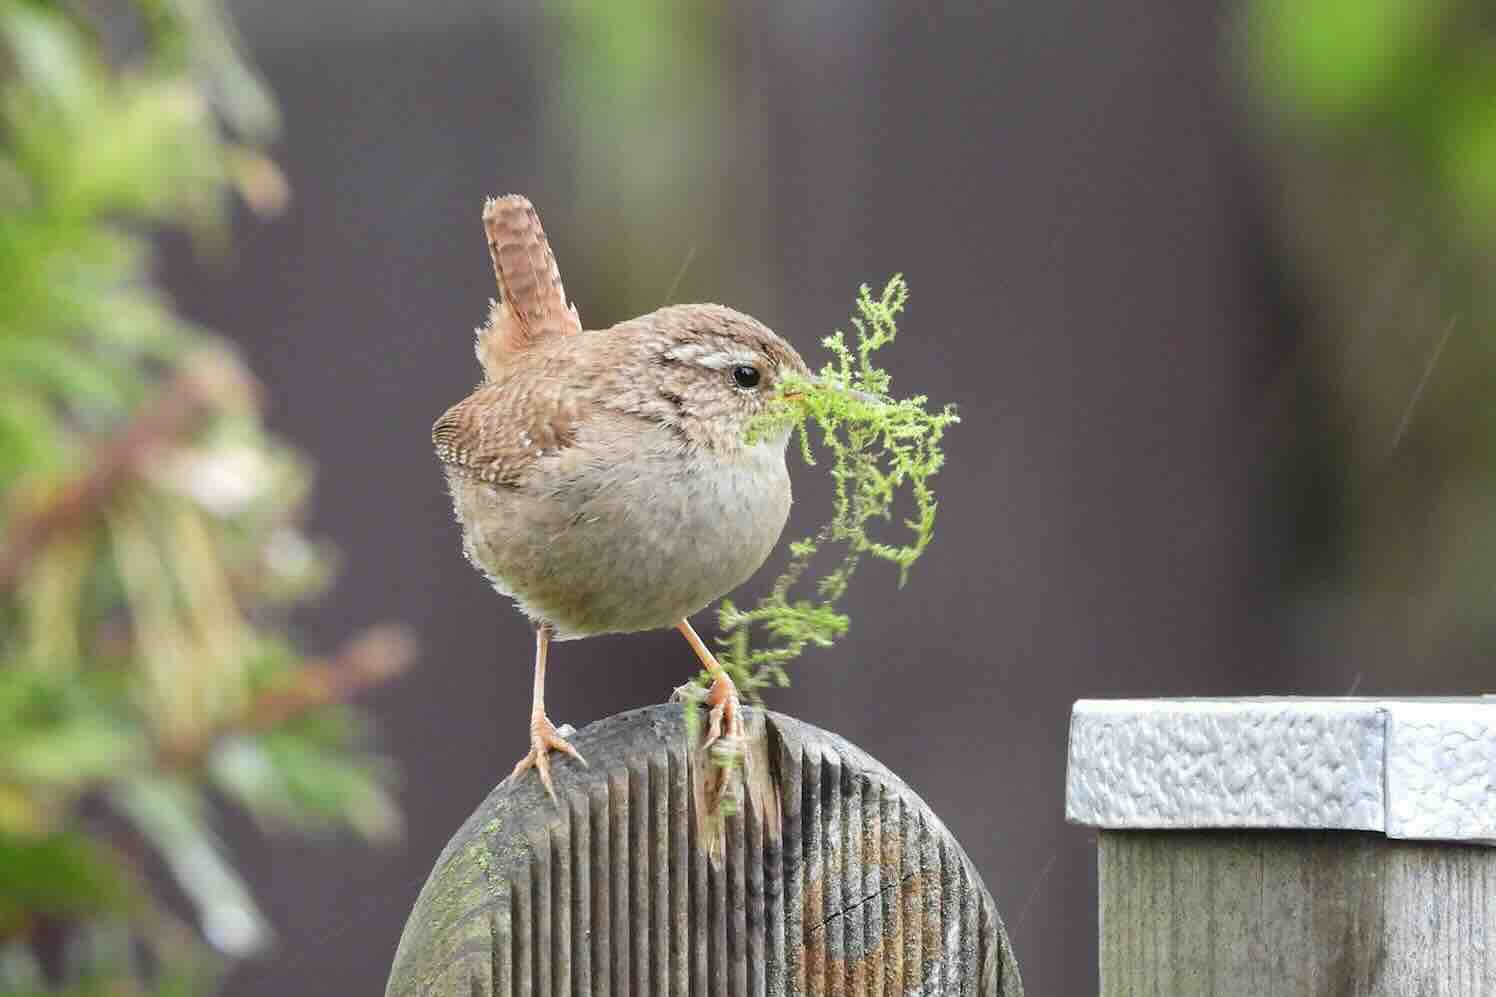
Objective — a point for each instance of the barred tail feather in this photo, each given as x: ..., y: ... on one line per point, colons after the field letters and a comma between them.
x: 532, y: 302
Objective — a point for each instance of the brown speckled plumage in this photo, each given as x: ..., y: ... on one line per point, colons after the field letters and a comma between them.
x: 601, y: 478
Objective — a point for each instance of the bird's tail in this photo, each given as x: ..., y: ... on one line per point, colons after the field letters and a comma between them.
x: 532, y: 303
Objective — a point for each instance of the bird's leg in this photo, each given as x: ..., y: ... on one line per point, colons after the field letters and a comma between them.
x: 726, y: 708
x: 543, y: 735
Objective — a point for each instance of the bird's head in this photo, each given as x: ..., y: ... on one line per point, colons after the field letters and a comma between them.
x: 710, y: 370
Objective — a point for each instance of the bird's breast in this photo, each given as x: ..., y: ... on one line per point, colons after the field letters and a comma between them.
x: 631, y: 542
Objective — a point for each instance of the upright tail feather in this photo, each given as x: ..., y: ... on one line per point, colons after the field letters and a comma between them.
x: 532, y: 302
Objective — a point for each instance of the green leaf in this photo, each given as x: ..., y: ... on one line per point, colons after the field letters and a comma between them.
x: 169, y: 815
x: 47, y: 53
x: 286, y: 779
x: 55, y: 733
x: 65, y: 874
x: 54, y: 367
x: 28, y: 438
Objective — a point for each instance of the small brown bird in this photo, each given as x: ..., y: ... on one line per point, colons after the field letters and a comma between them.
x: 602, y: 479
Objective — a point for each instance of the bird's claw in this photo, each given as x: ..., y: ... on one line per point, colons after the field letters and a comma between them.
x: 545, y: 738
x: 725, y: 744
x: 725, y: 720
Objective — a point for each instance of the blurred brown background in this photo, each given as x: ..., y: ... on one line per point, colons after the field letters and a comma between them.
x: 1071, y: 190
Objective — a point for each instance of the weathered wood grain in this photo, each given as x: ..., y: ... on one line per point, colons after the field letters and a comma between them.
x: 1278, y: 913
x: 834, y: 879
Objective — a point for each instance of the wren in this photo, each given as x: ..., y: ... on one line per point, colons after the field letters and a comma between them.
x: 603, y: 479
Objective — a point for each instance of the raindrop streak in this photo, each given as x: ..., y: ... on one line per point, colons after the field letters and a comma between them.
x: 1433, y: 361
x: 684, y: 266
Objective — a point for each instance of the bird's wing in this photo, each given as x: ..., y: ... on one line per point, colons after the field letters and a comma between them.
x: 497, y: 433
x: 532, y: 303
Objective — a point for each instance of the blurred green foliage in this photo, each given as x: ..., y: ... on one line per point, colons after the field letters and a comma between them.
x: 1418, y: 75
x: 1378, y: 120
x: 149, y: 538
x: 645, y: 123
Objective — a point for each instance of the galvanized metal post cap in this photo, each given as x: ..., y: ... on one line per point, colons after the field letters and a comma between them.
x: 1419, y: 769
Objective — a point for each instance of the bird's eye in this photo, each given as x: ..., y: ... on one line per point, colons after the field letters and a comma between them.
x: 745, y: 376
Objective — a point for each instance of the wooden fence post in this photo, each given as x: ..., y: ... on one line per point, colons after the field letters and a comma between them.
x: 1336, y: 847
x: 833, y: 878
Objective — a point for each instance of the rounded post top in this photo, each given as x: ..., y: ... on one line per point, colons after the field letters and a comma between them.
x: 832, y: 875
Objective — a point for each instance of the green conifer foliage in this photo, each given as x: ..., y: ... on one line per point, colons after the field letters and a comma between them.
x: 149, y: 537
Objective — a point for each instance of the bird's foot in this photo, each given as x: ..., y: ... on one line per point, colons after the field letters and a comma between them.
x: 545, y: 738
x: 725, y: 721
x: 726, y: 745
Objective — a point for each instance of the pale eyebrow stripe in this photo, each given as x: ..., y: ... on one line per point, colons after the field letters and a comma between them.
x: 714, y: 357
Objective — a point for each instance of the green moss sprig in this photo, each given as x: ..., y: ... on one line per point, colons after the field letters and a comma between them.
x: 879, y: 447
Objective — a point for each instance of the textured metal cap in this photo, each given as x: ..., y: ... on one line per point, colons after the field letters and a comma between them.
x: 1411, y: 768
x: 836, y: 879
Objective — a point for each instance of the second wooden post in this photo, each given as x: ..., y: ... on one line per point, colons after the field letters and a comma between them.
x: 1285, y: 846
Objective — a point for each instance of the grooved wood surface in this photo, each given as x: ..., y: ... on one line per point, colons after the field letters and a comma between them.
x: 842, y: 883
x: 1278, y: 913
